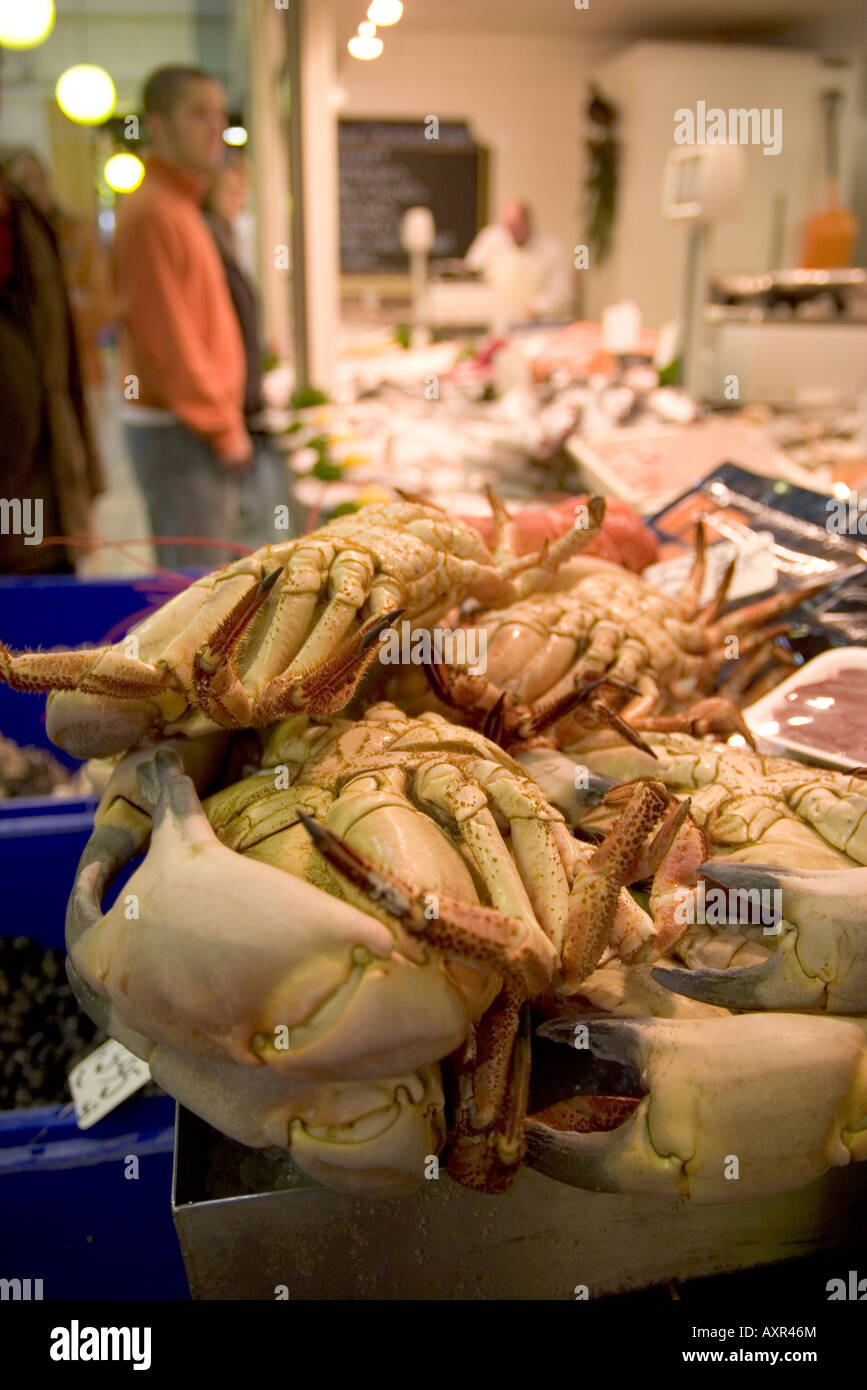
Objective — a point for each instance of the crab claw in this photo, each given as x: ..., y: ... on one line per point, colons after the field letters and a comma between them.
x: 307, y: 985
x: 370, y: 1138
x: 817, y: 949
x: 732, y: 1108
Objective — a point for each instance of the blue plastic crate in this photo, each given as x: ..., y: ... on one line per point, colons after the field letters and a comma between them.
x: 71, y: 1218
x: 39, y: 852
x: 41, y: 838
x: 64, y: 611
x: 70, y: 1215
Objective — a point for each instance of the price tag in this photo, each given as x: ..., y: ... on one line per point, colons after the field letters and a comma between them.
x: 103, y: 1079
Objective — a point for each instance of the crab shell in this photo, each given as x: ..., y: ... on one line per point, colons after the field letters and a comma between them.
x: 273, y: 1010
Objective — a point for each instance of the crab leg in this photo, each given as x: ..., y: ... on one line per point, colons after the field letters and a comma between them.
x: 541, y: 845
x: 318, y: 673
x: 465, y: 802
x: 711, y: 716
x: 749, y: 667
x: 328, y: 686
x: 493, y: 1067
x: 94, y: 671
x: 304, y: 577
x: 576, y: 901
x: 516, y: 948
x: 350, y: 578
x: 594, y: 897
x: 714, y: 607
x: 112, y: 671
x: 676, y: 875
x: 529, y: 572
x: 756, y: 616
x: 492, y: 1074
x: 689, y: 598
x: 671, y: 859
x: 559, y: 647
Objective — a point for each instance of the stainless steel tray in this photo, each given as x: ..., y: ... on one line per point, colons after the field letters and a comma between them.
x: 541, y: 1241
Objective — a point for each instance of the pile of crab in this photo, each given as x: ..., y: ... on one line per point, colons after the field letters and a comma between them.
x: 375, y: 901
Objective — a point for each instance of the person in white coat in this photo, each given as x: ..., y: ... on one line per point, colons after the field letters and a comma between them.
x: 529, y: 270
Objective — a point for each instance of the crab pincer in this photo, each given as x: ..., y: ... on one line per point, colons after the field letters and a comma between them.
x: 817, y: 946
x: 729, y: 1108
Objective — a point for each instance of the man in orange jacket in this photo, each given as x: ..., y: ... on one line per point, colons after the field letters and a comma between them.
x: 181, y: 348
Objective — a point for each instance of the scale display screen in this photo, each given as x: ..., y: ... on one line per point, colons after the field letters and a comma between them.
x: 689, y: 181
x: 703, y: 185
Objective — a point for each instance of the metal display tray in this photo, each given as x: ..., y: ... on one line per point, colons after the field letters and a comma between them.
x: 271, y: 1232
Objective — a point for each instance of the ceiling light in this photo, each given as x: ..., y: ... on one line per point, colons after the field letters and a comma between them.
x: 123, y: 172
x: 385, y: 12
x: 366, y: 29
x: 85, y: 94
x: 235, y: 135
x: 365, y: 46
x: 25, y: 25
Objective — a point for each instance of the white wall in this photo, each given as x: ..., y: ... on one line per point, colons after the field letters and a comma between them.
x: 523, y: 97
x: 649, y: 82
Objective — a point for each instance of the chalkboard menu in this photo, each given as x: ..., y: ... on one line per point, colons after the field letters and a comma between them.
x: 389, y: 166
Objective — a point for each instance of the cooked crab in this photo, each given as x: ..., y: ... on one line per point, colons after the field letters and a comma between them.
x: 411, y: 890
x: 646, y: 660
x: 292, y: 627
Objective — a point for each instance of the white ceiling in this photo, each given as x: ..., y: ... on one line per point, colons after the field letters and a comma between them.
x: 613, y: 18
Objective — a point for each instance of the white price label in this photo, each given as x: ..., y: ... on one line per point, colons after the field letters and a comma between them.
x: 103, y: 1079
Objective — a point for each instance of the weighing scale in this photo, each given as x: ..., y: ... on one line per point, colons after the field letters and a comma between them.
x: 702, y: 185
x: 766, y: 332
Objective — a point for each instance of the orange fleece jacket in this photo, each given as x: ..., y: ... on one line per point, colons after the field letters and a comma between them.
x: 179, y: 331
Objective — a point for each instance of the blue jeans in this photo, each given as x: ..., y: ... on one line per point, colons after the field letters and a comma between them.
x: 264, y: 488
x: 187, y: 493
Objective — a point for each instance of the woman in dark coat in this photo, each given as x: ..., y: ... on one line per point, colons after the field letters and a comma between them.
x: 49, y: 468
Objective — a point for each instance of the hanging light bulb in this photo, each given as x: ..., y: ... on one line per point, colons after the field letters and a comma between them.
x: 235, y: 135
x: 86, y: 94
x: 123, y: 172
x: 25, y: 24
x: 384, y: 12
x: 365, y: 44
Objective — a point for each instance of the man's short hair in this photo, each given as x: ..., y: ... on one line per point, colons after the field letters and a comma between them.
x: 163, y: 88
